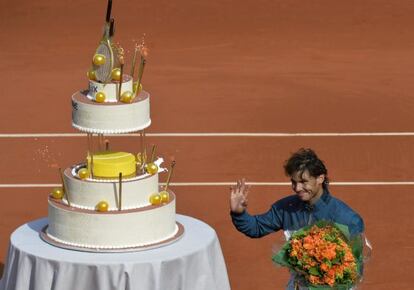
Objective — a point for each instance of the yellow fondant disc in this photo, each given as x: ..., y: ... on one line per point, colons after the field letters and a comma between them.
x: 109, y: 164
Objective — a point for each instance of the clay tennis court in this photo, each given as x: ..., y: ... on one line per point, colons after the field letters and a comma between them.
x: 330, y: 75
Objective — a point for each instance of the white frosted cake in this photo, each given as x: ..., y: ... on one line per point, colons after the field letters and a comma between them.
x: 110, y: 117
x: 112, y: 200
x: 125, y: 229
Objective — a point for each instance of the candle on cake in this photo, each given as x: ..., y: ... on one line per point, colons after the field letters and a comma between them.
x: 165, y: 196
x: 120, y: 191
x: 65, y: 190
x: 144, y: 54
x: 122, y: 62
x: 134, y: 59
x: 151, y: 167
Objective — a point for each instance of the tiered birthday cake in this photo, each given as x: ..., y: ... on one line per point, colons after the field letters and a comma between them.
x: 112, y: 201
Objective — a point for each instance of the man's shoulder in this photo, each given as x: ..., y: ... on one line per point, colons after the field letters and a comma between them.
x: 346, y: 215
x: 343, y: 206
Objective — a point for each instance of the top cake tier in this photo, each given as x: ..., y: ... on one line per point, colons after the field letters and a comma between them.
x: 110, y: 117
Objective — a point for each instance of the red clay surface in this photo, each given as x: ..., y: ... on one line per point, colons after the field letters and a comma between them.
x: 227, y: 66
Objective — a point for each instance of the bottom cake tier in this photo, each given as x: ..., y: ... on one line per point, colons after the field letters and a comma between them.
x: 84, y: 229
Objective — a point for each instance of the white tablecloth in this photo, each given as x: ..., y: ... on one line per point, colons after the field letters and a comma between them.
x: 191, y: 263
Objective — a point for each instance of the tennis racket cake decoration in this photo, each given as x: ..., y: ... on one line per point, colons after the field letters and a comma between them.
x: 108, y: 82
x: 103, y: 60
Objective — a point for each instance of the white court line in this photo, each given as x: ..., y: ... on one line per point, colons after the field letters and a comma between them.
x: 340, y: 183
x: 355, y: 134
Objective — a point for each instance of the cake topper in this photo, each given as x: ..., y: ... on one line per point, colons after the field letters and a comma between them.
x: 108, y: 65
x: 103, y: 60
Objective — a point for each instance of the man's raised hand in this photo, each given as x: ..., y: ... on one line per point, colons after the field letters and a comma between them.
x: 238, y: 196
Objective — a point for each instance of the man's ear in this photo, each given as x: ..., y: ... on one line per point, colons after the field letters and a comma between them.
x: 320, y: 179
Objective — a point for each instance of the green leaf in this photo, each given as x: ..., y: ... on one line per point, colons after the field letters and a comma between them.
x: 326, y: 287
x: 357, y: 245
x: 300, y: 233
x: 344, y: 230
x: 314, y: 271
x: 327, y: 262
x: 281, y: 258
x: 320, y: 287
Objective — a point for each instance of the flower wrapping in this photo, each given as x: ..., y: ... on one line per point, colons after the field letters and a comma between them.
x: 324, y: 255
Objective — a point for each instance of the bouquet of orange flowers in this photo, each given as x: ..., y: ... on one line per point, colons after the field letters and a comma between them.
x: 324, y: 255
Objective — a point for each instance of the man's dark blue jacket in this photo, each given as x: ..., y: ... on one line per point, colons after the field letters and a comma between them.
x: 291, y: 213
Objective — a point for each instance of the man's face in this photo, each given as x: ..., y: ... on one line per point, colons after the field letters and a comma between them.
x: 307, y: 187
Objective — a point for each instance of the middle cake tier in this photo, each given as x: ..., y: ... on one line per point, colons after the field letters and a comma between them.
x: 87, y: 193
x: 110, y: 118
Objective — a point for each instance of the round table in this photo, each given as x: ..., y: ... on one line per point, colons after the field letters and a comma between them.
x: 193, y: 262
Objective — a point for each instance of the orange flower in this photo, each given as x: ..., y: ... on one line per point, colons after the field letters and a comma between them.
x: 308, y: 243
x: 349, y: 257
x: 324, y: 267
x: 328, y: 280
x: 314, y: 279
x: 329, y: 252
x: 331, y: 273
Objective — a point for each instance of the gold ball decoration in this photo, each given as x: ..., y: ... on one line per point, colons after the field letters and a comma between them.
x: 57, y: 193
x: 100, y: 97
x: 116, y: 74
x: 135, y: 86
x: 83, y: 173
x: 99, y: 59
x: 155, y: 199
x: 151, y: 168
x: 126, y: 97
x: 102, y: 206
x: 165, y: 196
x: 91, y: 75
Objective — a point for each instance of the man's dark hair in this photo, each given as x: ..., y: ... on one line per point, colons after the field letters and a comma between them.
x: 305, y: 159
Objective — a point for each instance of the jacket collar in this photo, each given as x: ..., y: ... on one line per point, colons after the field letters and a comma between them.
x: 320, y: 203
